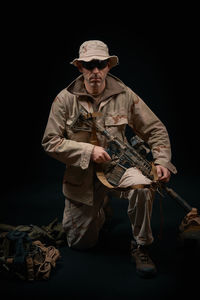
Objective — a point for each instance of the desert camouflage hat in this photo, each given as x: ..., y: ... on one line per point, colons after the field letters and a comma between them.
x: 95, y: 49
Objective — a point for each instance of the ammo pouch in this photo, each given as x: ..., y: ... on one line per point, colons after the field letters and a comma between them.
x: 22, y: 258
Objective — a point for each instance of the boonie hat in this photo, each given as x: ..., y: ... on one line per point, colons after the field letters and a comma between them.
x: 95, y: 49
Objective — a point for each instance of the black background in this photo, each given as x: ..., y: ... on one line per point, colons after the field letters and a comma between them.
x: 158, y: 56
x: 158, y: 53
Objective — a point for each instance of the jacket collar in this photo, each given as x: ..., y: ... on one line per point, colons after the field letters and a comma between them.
x: 114, y: 86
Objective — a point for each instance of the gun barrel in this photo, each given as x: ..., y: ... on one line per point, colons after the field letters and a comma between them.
x: 179, y: 199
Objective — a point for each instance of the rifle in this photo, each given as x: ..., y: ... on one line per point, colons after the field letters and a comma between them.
x: 125, y: 155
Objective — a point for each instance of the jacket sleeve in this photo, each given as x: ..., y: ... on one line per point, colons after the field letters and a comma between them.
x: 149, y: 127
x: 56, y: 143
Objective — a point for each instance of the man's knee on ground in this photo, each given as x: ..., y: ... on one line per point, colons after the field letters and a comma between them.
x: 82, y: 241
x: 82, y: 245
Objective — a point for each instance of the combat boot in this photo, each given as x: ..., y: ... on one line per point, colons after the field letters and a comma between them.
x: 144, y: 265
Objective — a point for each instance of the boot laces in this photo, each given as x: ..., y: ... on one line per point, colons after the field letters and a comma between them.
x: 143, y: 255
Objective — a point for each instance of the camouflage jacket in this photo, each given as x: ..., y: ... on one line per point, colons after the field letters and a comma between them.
x: 119, y: 106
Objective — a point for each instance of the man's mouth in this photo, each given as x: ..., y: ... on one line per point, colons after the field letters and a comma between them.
x: 95, y: 79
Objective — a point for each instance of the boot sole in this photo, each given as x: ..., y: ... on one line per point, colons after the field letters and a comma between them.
x: 144, y: 274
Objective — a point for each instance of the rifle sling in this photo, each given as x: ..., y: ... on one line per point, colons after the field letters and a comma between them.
x: 101, y: 176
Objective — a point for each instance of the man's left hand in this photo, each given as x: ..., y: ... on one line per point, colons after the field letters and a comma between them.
x: 163, y: 173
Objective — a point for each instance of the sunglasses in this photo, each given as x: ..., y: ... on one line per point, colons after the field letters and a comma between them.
x: 95, y: 63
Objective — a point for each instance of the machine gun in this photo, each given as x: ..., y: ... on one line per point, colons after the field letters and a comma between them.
x: 134, y: 154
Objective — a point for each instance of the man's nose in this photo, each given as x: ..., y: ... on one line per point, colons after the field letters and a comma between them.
x: 95, y: 70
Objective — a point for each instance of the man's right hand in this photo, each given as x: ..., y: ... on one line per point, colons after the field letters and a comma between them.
x: 99, y: 155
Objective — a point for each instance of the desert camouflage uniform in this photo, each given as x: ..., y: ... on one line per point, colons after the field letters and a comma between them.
x: 119, y: 105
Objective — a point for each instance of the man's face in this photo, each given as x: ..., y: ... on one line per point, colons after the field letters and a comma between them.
x: 94, y: 72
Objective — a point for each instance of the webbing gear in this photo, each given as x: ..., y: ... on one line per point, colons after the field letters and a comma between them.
x: 56, y: 231
x: 25, y: 259
x: 51, y: 234
x: 36, y: 233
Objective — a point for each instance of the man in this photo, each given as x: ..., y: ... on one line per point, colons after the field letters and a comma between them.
x: 96, y: 90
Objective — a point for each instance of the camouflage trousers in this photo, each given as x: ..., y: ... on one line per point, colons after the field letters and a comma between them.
x: 82, y: 223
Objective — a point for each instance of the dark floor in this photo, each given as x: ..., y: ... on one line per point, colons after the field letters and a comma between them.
x: 105, y: 272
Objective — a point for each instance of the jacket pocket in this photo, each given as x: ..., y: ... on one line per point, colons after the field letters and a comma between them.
x: 75, y: 175
x: 78, y: 136
x: 116, y: 120
x: 116, y: 125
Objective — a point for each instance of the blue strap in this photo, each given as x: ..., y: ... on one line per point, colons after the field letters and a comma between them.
x: 19, y: 237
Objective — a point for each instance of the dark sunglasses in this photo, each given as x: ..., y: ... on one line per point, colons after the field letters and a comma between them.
x: 95, y: 63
